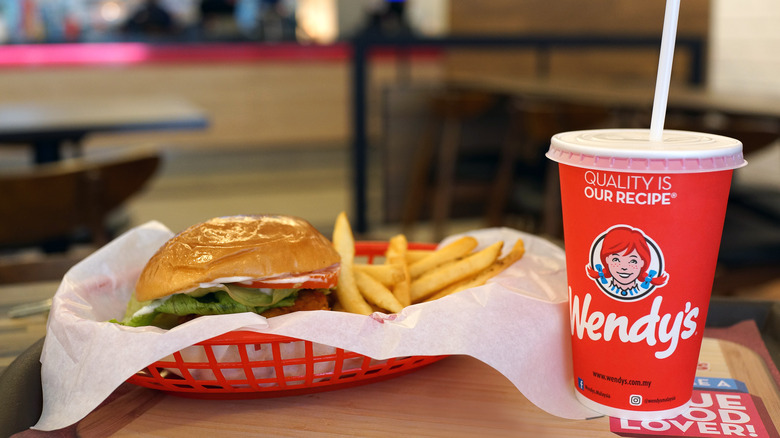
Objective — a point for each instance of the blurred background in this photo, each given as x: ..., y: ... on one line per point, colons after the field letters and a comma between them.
x: 426, y: 117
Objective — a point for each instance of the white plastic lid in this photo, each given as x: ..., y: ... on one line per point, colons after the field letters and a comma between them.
x: 632, y: 150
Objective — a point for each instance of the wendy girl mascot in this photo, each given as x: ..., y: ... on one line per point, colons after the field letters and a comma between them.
x: 624, y: 264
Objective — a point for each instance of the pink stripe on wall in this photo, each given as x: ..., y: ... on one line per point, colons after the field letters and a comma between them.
x: 141, y: 53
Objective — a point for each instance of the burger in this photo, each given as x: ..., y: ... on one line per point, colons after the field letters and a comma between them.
x: 266, y: 264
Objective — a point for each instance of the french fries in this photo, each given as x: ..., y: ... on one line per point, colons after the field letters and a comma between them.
x: 347, y: 291
x: 376, y: 293
x: 386, y: 274
x: 437, y: 279
x: 396, y: 256
x: 448, y: 253
x: 499, y: 265
x: 413, y: 255
x: 410, y: 276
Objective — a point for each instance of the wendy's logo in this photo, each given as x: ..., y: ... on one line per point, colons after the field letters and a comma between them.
x: 626, y: 264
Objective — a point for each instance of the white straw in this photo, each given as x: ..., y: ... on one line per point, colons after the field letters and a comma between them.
x: 664, y: 69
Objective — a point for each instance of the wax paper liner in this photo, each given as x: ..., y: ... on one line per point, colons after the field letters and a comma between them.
x: 517, y: 323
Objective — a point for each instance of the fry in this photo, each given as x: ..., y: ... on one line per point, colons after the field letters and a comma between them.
x: 347, y: 291
x: 376, y: 293
x: 385, y: 273
x: 499, y: 265
x: 452, y: 272
x: 413, y: 255
x: 396, y: 255
x: 447, y: 253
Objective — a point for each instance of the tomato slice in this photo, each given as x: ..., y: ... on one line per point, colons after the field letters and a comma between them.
x: 318, y: 280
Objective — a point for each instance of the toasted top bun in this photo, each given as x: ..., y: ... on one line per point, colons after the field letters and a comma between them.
x: 237, y: 246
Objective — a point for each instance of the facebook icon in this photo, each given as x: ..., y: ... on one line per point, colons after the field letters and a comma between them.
x: 580, y: 383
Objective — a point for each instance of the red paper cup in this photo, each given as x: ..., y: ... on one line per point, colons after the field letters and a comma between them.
x: 642, y: 226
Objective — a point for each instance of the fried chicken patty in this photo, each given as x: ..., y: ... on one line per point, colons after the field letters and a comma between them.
x: 308, y: 299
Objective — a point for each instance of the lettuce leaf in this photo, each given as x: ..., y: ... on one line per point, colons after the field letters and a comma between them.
x: 215, y: 303
x: 218, y: 302
x: 259, y: 297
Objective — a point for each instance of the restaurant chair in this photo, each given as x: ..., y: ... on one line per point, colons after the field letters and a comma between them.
x: 526, y: 183
x: 433, y: 179
x: 749, y: 255
x: 518, y: 180
x: 53, y: 207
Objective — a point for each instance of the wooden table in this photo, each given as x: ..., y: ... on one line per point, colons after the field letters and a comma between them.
x: 628, y: 96
x: 49, y: 125
x: 17, y: 334
x: 753, y: 119
x: 457, y: 396
x: 627, y: 100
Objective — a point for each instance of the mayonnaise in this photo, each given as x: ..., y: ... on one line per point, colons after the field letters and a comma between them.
x: 149, y: 308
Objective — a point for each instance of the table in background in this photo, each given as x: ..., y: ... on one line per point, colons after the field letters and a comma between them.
x: 752, y: 119
x: 630, y: 97
x: 18, y: 334
x: 364, y: 44
x: 47, y: 126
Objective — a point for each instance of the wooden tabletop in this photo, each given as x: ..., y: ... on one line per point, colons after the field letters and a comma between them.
x: 457, y: 396
x: 17, y: 334
x: 47, y: 125
x: 634, y: 96
x: 30, y: 119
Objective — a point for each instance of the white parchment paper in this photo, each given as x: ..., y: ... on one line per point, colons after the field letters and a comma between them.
x: 517, y: 323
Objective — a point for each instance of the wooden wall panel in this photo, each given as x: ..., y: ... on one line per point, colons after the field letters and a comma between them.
x: 266, y: 104
x: 638, y: 18
x: 574, y: 16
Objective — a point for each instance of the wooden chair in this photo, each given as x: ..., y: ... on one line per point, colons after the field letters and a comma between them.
x: 749, y: 254
x: 524, y: 169
x: 53, y: 205
x: 439, y: 150
x: 520, y: 160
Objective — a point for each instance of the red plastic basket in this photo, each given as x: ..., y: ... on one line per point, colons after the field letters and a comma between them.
x: 244, y: 364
